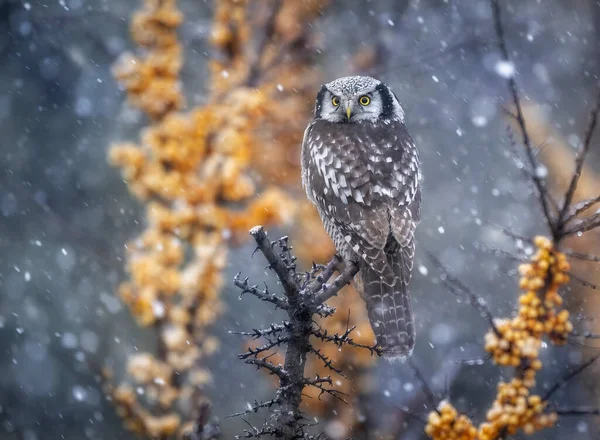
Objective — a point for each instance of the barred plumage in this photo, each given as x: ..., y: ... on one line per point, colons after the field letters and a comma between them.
x: 360, y: 168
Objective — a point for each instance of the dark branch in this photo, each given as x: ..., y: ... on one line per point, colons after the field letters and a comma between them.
x: 585, y: 335
x: 579, y: 161
x: 327, y: 362
x: 577, y: 411
x: 256, y: 406
x: 343, y: 339
x: 263, y: 295
x: 342, y: 280
x: 563, y: 381
x: 529, y: 151
x: 581, y: 256
x: 459, y: 289
x: 255, y: 70
x: 578, y: 226
x: 273, y: 369
x: 305, y: 296
x: 584, y: 282
x: 580, y: 207
x: 327, y: 273
x: 272, y: 330
x: 431, y: 397
x: 258, y: 350
x: 285, y: 275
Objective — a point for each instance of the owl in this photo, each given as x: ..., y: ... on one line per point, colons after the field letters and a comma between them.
x: 361, y: 170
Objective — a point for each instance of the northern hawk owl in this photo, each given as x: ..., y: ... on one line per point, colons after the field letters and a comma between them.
x: 360, y: 168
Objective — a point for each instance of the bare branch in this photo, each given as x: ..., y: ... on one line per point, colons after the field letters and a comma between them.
x: 257, y: 333
x: 579, y: 208
x: 343, y: 279
x: 258, y: 350
x: 327, y: 273
x: 584, y: 282
x: 459, y: 289
x: 431, y: 398
x: 342, y: 339
x: 578, y: 226
x: 529, y: 151
x: 579, y: 161
x: 263, y: 295
x: 327, y: 362
x: 586, y: 335
x: 581, y: 256
x: 563, y: 381
x: 274, y: 369
x: 256, y: 406
x: 283, y: 272
x: 577, y: 411
x: 305, y: 295
x: 320, y: 382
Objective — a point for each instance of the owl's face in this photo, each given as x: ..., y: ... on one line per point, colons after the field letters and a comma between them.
x: 357, y: 98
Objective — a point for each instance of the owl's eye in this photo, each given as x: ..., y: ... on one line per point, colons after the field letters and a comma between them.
x: 364, y: 100
x: 335, y: 101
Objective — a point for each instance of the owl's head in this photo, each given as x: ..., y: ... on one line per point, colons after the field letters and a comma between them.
x: 357, y: 98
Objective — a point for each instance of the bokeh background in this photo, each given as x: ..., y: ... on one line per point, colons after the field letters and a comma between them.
x: 66, y: 213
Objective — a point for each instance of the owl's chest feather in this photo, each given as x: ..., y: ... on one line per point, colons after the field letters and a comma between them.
x: 359, y: 163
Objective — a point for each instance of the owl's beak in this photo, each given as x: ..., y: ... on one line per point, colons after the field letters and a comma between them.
x: 348, y: 112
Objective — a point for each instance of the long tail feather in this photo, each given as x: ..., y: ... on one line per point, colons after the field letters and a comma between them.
x: 389, y: 306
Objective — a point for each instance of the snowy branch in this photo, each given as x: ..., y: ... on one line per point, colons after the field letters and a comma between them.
x: 304, y: 295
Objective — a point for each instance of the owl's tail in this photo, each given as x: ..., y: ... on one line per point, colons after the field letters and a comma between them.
x: 388, y: 302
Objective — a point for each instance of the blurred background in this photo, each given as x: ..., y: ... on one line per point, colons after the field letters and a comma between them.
x: 67, y: 213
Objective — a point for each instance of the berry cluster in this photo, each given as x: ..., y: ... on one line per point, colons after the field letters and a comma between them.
x: 515, y: 343
x: 447, y: 424
x: 515, y: 408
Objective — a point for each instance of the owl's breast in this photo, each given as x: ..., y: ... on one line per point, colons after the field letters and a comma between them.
x: 362, y: 163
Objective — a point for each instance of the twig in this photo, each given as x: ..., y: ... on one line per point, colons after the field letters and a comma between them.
x: 327, y: 273
x: 256, y: 406
x: 274, y: 369
x: 258, y: 350
x: 581, y: 256
x: 255, y: 70
x: 344, y: 278
x: 579, y: 161
x: 584, y: 282
x: 327, y: 362
x: 579, y: 226
x: 459, y: 289
x: 563, y: 381
x: 263, y: 295
x: 580, y: 207
x: 281, y: 269
x: 537, y: 180
x: 431, y: 398
x: 577, y: 411
x: 586, y: 335
x: 256, y: 333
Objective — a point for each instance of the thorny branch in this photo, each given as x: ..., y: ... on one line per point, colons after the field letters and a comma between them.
x: 303, y: 297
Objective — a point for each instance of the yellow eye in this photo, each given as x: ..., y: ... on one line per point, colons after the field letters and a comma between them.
x: 335, y: 101
x: 364, y: 100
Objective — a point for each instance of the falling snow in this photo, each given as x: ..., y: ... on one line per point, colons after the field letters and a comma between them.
x: 68, y: 217
x: 505, y: 69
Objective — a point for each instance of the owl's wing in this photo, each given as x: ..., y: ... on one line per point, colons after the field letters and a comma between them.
x: 366, y: 233
x: 404, y: 219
